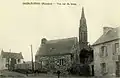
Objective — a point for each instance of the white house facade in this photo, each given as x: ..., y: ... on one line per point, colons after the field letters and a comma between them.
x: 9, y: 59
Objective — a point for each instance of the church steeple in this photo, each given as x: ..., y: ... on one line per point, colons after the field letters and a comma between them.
x: 83, y: 30
x: 82, y: 14
x: 83, y: 19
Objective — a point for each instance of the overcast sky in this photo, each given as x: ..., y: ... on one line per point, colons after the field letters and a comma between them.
x: 22, y: 25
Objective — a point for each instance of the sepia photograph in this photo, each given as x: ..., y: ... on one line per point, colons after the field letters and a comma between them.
x: 60, y: 39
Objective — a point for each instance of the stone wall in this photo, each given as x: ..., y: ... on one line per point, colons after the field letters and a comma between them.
x: 110, y: 59
x: 54, y: 63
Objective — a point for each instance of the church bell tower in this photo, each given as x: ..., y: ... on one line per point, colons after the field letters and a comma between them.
x: 83, y: 31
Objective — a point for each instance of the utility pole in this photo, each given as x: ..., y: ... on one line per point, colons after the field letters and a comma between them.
x: 32, y: 59
x: 9, y: 64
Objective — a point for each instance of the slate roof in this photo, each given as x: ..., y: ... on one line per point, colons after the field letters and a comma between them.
x: 57, y: 47
x: 109, y: 36
x: 11, y: 55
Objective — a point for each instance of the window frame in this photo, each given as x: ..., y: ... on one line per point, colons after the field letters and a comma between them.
x: 103, y: 68
x: 61, y: 61
x: 103, y: 51
x: 19, y: 60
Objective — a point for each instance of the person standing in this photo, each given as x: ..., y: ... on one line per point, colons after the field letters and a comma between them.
x: 58, y: 73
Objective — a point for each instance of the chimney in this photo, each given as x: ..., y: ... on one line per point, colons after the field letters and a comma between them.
x: 43, y: 41
x: 106, y: 29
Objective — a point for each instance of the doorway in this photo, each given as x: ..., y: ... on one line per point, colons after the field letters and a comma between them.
x: 118, y: 69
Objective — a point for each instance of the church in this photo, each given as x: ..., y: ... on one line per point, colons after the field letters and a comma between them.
x: 68, y: 55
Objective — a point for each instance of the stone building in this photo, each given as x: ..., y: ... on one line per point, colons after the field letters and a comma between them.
x: 9, y: 59
x: 62, y: 54
x: 57, y: 54
x: 107, y: 53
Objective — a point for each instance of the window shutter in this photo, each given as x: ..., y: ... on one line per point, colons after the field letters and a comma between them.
x: 106, y: 51
x: 117, y: 50
x: 113, y: 49
x: 100, y: 52
x: 118, y: 57
x: 107, y: 68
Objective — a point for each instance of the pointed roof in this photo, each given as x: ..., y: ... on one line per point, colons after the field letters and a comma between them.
x: 82, y: 15
x: 11, y: 55
x: 83, y: 19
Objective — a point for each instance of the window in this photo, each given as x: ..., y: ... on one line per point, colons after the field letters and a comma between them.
x: 7, y: 59
x: 61, y: 61
x: 115, y: 48
x: 104, y: 51
x: 72, y: 56
x: 6, y: 65
x: 103, y: 68
x: 19, y: 60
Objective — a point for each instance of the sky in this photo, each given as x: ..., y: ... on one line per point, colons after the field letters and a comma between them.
x: 23, y: 25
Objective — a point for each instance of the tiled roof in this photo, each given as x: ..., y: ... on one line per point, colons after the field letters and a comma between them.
x: 58, y: 46
x: 109, y: 36
x: 11, y: 55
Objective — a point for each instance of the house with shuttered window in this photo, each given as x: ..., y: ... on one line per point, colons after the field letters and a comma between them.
x: 9, y: 59
x: 107, y: 53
